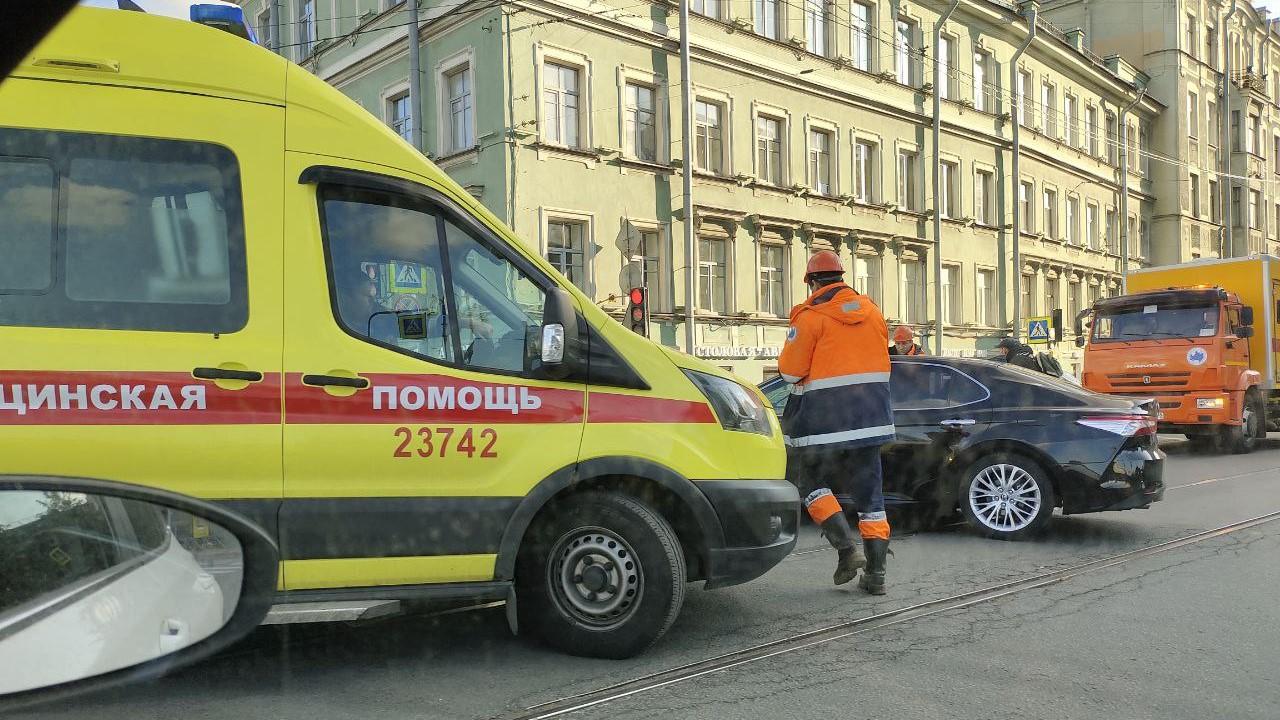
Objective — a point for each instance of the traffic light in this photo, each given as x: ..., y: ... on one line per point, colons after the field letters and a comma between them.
x: 638, y: 311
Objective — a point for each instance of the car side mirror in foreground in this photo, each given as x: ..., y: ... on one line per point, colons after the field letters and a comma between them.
x: 103, y: 583
x: 559, y: 334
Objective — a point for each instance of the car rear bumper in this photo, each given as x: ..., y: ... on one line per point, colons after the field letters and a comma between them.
x: 760, y: 519
x: 1133, y: 479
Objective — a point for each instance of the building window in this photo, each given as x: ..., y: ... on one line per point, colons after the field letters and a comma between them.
x: 1049, y: 110
x: 1091, y: 128
x: 866, y: 276
x: 817, y: 22
x: 767, y: 18
x: 1235, y: 130
x: 951, y: 294
x: 983, y: 90
x: 1028, y: 294
x: 1144, y: 149
x: 1113, y: 238
x: 862, y: 19
x: 820, y: 142
x: 982, y: 182
x: 1095, y: 294
x: 1235, y: 207
x: 1253, y: 143
x: 944, y: 77
x: 1211, y: 46
x: 560, y: 101
x: 1193, y: 44
x: 1050, y: 212
x: 306, y: 28
x: 1195, y: 196
x: 566, y: 249
x: 949, y: 203
x: 1073, y: 298
x: 1051, y: 294
x: 908, y: 182
x: 1215, y: 202
x: 642, y: 122
x: 461, y: 109
x: 1133, y: 233
x: 1024, y: 82
x: 773, y: 295
x: 1144, y: 238
x: 1113, y: 139
x: 1071, y: 111
x: 1255, y: 210
x: 1275, y: 157
x: 706, y: 8
x: 1276, y: 230
x: 264, y: 30
x: 912, y: 301
x: 1193, y: 115
x: 769, y: 138
x: 713, y: 290
x: 864, y: 176
x: 904, y: 52
x: 709, y: 136
x: 1073, y: 220
x: 1091, y: 225
x: 400, y: 116
x: 1025, y: 194
x: 986, y: 298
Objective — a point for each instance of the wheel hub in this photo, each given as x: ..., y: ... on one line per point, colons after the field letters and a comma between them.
x: 595, y: 577
x: 1004, y: 497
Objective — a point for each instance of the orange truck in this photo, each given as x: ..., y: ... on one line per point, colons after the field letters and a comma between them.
x: 1201, y: 338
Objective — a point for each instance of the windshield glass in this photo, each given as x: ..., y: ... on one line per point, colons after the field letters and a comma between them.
x: 1155, y: 321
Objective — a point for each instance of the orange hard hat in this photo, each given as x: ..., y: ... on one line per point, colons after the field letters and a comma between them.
x: 823, y: 261
x: 903, y: 334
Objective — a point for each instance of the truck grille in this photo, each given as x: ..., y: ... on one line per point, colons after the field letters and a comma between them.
x: 1149, y: 381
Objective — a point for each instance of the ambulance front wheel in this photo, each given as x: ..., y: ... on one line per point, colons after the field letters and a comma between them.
x: 600, y: 575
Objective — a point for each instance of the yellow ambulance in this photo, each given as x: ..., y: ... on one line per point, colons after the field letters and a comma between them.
x: 220, y: 276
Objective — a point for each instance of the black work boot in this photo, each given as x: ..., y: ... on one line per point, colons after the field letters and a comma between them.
x: 839, y: 533
x: 872, y: 580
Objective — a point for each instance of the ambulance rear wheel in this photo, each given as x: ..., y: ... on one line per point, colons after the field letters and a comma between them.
x: 600, y: 575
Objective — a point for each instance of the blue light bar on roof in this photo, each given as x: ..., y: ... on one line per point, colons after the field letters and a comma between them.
x: 223, y: 17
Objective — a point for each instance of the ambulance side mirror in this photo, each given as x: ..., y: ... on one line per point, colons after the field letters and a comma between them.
x: 559, y: 334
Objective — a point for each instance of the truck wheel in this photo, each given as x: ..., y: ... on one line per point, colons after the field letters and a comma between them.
x: 1243, y: 438
x: 601, y: 575
x: 1006, y: 496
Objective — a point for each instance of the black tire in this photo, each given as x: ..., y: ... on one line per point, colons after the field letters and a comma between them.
x: 620, y: 550
x: 1242, y: 439
x: 1024, y: 480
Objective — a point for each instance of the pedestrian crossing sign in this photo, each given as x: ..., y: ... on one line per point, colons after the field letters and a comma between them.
x: 1038, y: 330
x: 407, y: 278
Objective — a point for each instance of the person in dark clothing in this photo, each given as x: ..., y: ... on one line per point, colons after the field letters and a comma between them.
x: 1018, y: 354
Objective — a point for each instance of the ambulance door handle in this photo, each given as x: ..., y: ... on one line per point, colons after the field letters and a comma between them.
x: 208, y: 373
x: 358, y: 383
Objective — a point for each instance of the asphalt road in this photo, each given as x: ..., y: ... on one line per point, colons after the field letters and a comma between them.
x: 1190, y: 632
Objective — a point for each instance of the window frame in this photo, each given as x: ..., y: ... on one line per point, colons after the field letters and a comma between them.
x: 908, y: 161
x: 762, y: 168
x: 548, y: 215
x: 813, y: 156
x: 724, y: 159
x: 547, y: 55
x: 870, y: 174
x: 446, y: 69
x: 862, y: 39
x: 984, y: 316
x: 783, y: 274
x: 631, y: 126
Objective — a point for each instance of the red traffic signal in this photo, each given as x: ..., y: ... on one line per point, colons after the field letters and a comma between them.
x: 638, y: 311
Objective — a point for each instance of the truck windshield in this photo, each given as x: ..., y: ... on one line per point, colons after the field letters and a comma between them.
x: 1137, y: 322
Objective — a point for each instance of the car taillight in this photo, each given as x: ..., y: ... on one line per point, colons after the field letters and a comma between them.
x: 1126, y: 425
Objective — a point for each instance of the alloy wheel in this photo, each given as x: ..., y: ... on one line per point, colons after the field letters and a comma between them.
x: 1005, y: 497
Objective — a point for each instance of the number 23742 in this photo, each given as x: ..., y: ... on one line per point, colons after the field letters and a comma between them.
x: 443, y: 441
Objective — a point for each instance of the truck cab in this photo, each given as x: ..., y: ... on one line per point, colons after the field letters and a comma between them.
x: 1189, y: 348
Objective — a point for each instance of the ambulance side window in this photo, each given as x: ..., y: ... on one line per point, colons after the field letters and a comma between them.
x: 28, y: 205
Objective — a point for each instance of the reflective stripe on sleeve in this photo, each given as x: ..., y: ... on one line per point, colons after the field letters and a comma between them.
x: 839, y: 437
x: 842, y: 381
x: 793, y: 379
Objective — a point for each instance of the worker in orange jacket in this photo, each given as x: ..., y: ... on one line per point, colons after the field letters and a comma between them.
x: 904, y: 342
x: 837, y: 359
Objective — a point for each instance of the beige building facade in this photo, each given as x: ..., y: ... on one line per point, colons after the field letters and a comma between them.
x: 812, y: 130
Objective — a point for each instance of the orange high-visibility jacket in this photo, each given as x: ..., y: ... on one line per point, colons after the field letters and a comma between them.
x: 837, y: 357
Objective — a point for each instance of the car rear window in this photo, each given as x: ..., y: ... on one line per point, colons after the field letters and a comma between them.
x: 117, y: 232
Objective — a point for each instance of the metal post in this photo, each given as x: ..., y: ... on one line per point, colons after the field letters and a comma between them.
x: 415, y: 76
x: 274, y: 10
x: 686, y: 171
x: 1124, y: 191
x: 1031, y: 12
x: 1227, y: 183
x: 937, y: 177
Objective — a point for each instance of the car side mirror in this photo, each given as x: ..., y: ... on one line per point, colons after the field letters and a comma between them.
x: 559, y: 334
x: 107, y: 583
x: 1244, y: 331
x: 1246, y: 316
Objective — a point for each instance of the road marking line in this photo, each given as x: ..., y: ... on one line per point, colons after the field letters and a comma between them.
x: 1224, y: 477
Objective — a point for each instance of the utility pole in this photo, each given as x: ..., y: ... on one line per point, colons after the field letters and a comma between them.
x: 274, y: 10
x: 415, y: 77
x: 686, y: 171
x: 1030, y: 9
x: 1124, y: 190
x: 1228, y: 183
x: 938, y: 79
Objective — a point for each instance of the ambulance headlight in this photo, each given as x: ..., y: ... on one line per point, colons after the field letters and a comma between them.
x: 737, y: 407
